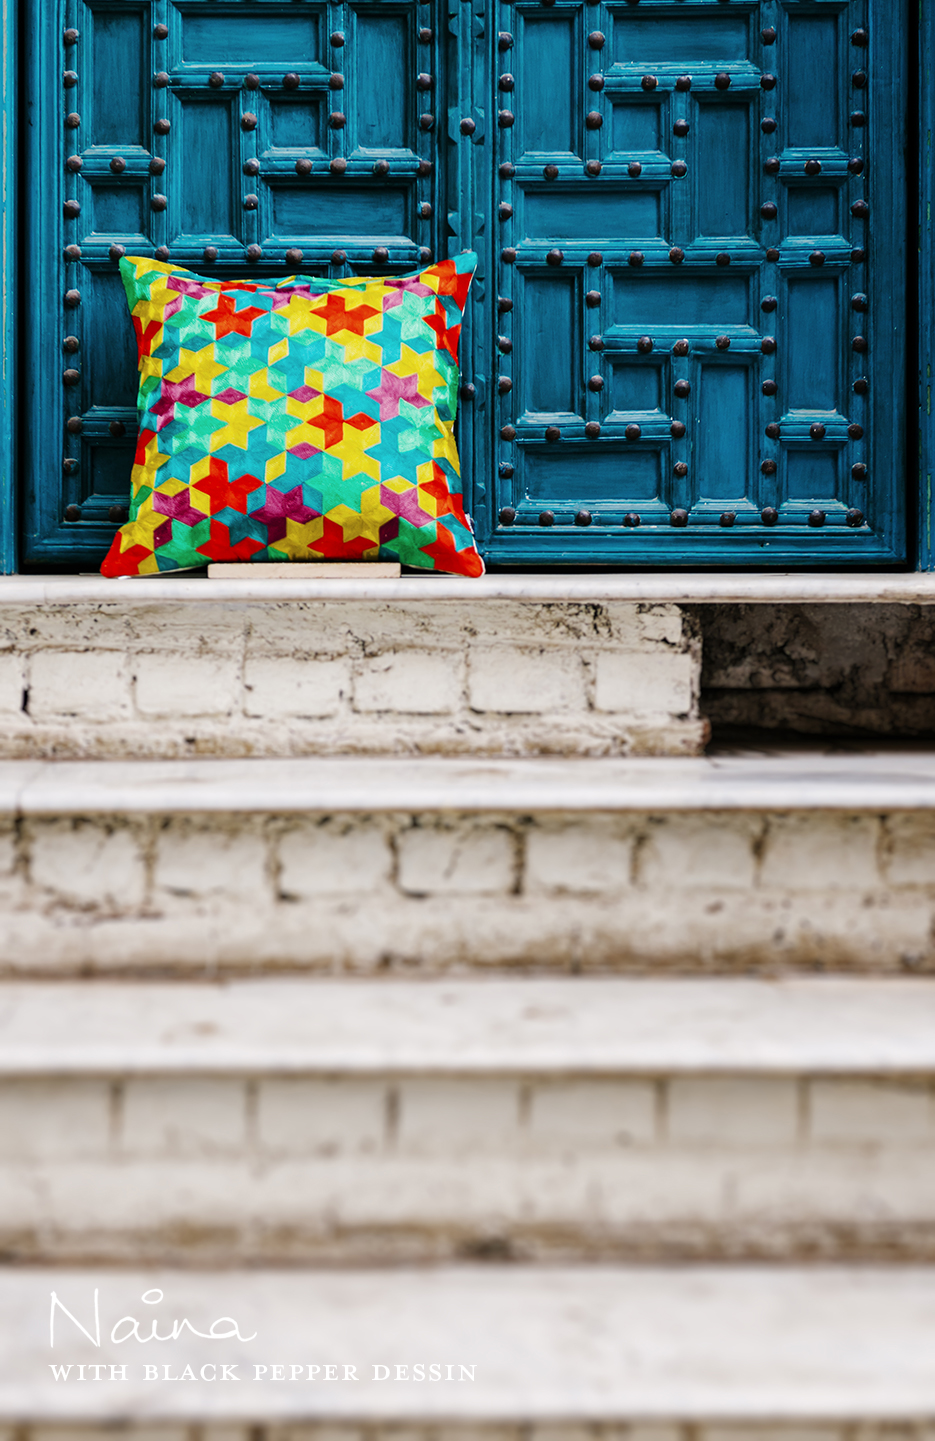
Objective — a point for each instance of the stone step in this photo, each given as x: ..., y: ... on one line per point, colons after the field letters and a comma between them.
x: 279, y: 668
x: 593, y: 663
x: 742, y: 1352
x: 312, y: 1120
x: 372, y: 864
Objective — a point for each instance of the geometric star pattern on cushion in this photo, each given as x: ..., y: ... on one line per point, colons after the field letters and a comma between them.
x: 302, y: 420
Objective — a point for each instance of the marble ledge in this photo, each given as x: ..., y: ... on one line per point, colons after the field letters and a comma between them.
x: 577, y: 1026
x: 659, y: 588
x: 875, y: 781
x: 551, y: 1343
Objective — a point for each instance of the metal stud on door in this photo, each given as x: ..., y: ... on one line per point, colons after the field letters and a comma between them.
x: 699, y: 343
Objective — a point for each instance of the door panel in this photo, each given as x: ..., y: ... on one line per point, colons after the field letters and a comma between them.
x: 236, y: 137
x: 686, y: 339
x: 730, y: 387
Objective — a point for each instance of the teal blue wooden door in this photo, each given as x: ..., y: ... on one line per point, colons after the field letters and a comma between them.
x: 686, y: 342
x: 231, y: 136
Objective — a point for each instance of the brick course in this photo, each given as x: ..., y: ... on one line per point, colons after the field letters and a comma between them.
x: 103, y: 679
x: 586, y: 891
x: 271, y: 1168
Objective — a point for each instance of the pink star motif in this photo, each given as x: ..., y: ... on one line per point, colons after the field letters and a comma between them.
x: 394, y: 388
x: 177, y: 506
x: 409, y: 282
x: 186, y: 287
x: 406, y: 505
x: 230, y: 396
x: 281, y: 506
x: 174, y: 393
x: 304, y: 393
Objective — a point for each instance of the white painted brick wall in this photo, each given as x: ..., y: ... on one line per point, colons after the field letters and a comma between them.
x: 198, y: 861
x: 872, y: 1112
x: 525, y: 682
x: 747, y: 1111
x: 186, y: 685
x: 312, y: 1116
x: 290, y: 1167
x: 185, y: 1116
x: 645, y: 684
x: 444, y: 1115
x: 593, y: 1115
x: 337, y: 857
x: 286, y: 686
x: 90, y: 685
x: 911, y: 850
x: 275, y: 678
x: 817, y: 852
x: 50, y: 1119
x: 12, y: 683
x: 585, y: 856
x: 433, y: 891
x: 475, y: 859
x: 703, y: 850
x: 410, y: 683
x: 88, y: 863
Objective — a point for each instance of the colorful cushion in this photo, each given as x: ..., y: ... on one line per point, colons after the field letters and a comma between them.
x: 305, y: 420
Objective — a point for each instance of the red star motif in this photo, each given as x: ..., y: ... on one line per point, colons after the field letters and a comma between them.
x: 226, y: 494
x: 446, y: 555
x: 219, y: 546
x: 447, y: 502
x: 145, y: 338
x: 333, y: 543
x: 330, y: 422
x: 338, y: 317
x: 453, y: 284
x: 446, y: 338
x: 228, y: 320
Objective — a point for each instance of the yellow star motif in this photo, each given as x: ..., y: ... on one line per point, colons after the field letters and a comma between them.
x: 355, y: 525
x: 374, y: 512
x: 301, y: 536
x: 410, y: 362
x: 302, y: 314
x: 351, y: 451
x: 154, y: 308
x: 144, y: 473
x: 261, y: 389
x: 239, y: 424
x: 303, y: 435
x: 150, y: 365
x: 141, y: 530
x: 275, y: 468
x: 199, y: 363
x: 444, y: 448
x: 172, y: 486
x: 358, y: 347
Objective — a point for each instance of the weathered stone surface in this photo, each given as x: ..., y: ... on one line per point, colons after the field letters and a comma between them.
x: 821, y: 669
